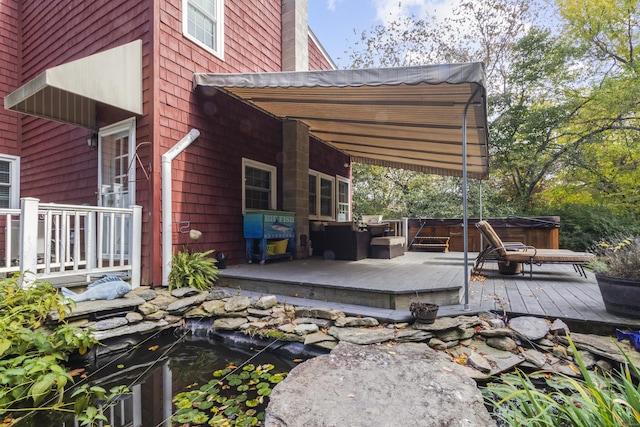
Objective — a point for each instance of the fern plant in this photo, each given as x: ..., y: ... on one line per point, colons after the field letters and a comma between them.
x: 193, y: 269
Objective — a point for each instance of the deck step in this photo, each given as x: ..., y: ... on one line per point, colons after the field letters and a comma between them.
x: 431, y: 243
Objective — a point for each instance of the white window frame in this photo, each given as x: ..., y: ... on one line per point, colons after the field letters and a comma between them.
x: 14, y: 179
x: 273, y: 200
x: 218, y: 19
x: 341, y: 179
x: 319, y: 177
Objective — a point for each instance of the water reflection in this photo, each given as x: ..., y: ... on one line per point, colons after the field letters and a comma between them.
x: 154, y: 372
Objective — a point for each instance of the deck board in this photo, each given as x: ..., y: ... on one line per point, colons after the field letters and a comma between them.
x: 555, y: 291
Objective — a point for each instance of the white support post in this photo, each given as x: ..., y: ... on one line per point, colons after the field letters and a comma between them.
x: 136, y: 245
x: 28, y: 240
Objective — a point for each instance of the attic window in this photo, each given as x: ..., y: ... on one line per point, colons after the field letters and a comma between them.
x: 203, y: 23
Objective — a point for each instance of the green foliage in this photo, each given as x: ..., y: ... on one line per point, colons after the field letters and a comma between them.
x: 193, y: 269
x: 618, y: 257
x: 234, y: 397
x: 596, y: 400
x: 32, y: 356
x: 583, y: 224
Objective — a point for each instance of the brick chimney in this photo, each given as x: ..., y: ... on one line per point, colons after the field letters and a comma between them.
x: 295, y: 35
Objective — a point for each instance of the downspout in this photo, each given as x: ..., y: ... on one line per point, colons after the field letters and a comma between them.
x: 167, y: 207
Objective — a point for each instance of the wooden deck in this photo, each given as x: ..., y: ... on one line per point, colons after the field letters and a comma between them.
x: 388, y: 286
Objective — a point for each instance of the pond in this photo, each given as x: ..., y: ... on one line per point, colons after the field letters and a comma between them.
x: 155, y: 370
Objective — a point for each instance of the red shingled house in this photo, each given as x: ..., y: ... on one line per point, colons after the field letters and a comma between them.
x: 101, y: 98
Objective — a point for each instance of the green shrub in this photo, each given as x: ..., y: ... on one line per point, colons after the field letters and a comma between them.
x: 193, y: 269
x: 596, y: 400
x: 32, y: 356
x: 582, y: 225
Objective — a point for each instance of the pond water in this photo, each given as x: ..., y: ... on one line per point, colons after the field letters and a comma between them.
x: 155, y: 371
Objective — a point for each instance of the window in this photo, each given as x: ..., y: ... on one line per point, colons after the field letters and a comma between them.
x: 203, y: 22
x: 321, y: 195
x: 258, y: 186
x: 344, y: 199
x: 9, y: 182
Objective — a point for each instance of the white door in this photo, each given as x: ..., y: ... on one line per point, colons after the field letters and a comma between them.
x: 116, y: 183
x: 116, y: 180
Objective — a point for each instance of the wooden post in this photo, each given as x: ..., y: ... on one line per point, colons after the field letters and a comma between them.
x: 28, y: 240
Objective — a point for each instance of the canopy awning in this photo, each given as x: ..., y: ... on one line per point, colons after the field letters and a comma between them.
x: 70, y: 92
x: 408, y: 118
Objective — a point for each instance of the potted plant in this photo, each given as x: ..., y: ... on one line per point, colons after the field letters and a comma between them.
x: 617, y: 269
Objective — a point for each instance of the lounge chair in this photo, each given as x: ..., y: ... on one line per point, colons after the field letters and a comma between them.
x: 510, y: 253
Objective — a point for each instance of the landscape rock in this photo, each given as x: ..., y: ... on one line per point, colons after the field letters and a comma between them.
x: 444, y: 323
x: 216, y: 294
x: 114, y: 322
x: 147, y: 308
x: 238, y: 303
x: 266, y: 302
x: 156, y: 315
x: 559, y: 327
x: 319, y: 312
x: 605, y: 347
x: 213, y: 307
x: 184, y: 292
x: 318, y: 337
x: 346, y: 385
x: 356, y: 321
x: 361, y: 336
x: 133, y: 317
x: 321, y: 323
x: 502, y: 343
x: 182, y: 305
x: 146, y: 294
x: 479, y: 362
x: 162, y: 300
x: 228, y: 323
x: 137, y: 328
x: 306, y: 328
x: 535, y: 357
x: 456, y: 334
x: 529, y: 328
x: 412, y: 335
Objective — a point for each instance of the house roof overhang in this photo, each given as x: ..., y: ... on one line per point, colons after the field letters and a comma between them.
x: 71, y: 92
x: 409, y: 118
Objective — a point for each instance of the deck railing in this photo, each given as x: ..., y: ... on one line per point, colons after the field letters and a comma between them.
x: 399, y: 227
x: 47, y: 240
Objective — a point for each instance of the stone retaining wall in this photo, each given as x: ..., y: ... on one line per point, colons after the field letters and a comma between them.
x: 484, y: 345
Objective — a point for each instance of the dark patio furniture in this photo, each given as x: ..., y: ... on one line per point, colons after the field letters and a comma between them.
x: 518, y: 253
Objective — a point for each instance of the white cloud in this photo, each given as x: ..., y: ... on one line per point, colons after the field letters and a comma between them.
x: 331, y: 5
x: 392, y: 10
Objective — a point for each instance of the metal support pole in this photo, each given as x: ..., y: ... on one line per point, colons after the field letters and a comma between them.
x: 465, y: 214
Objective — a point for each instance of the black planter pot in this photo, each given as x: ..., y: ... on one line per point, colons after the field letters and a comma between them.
x: 621, y: 296
x: 424, y: 312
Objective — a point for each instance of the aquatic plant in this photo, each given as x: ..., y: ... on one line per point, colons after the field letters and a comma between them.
x: 234, y: 397
x: 193, y: 269
x: 595, y: 400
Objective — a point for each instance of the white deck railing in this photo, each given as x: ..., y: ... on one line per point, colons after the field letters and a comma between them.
x: 47, y: 240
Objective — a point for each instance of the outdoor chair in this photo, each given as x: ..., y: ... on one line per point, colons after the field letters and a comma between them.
x: 510, y: 253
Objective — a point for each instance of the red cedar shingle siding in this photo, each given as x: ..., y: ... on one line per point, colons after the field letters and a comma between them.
x: 207, y: 178
x: 9, y: 73
x: 317, y: 60
x: 326, y: 159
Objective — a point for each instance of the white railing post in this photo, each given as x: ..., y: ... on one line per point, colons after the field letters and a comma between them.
x: 28, y: 240
x: 90, y: 240
x: 136, y: 245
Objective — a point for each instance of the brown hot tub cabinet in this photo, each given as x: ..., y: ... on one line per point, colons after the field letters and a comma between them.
x: 541, y: 232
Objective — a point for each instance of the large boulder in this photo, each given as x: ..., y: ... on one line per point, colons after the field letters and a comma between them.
x: 377, y: 385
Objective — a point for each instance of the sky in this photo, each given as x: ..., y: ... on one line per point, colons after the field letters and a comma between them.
x: 333, y: 21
